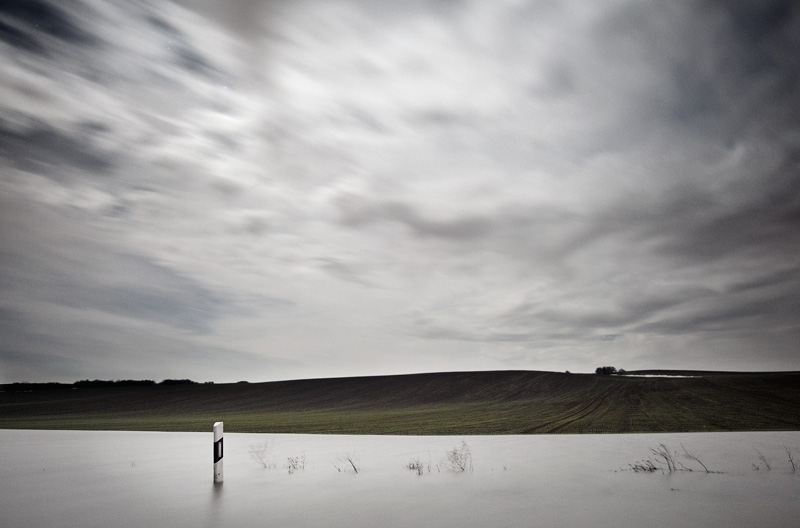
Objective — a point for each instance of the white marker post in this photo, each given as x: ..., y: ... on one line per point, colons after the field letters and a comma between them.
x: 218, y: 452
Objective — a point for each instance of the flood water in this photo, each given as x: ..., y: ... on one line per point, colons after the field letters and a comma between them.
x: 135, y: 479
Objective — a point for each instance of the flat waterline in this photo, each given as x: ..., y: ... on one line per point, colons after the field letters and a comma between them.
x: 88, y: 479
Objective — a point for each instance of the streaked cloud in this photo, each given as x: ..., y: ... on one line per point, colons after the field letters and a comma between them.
x: 269, y: 190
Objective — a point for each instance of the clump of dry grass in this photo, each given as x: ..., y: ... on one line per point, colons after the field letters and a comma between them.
x: 643, y: 466
x: 667, y: 461
x: 346, y: 460
x: 457, y: 459
x: 416, y: 464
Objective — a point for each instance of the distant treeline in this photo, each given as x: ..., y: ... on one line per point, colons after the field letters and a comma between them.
x: 91, y: 384
x: 111, y: 383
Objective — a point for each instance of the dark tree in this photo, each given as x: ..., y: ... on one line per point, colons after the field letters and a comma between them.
x: 178, y: 382
x: 605, y: 371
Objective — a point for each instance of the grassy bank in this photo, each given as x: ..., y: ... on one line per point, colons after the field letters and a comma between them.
x: 509, y: 402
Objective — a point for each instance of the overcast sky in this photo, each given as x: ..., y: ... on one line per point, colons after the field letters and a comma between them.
x: 253, y: 190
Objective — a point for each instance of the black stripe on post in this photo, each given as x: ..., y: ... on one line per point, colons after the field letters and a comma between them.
x: 218, y: 450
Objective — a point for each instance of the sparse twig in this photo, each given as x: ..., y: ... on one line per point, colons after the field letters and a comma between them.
x: 350, y: 459
x: 791, y: 459
x: 352, y: 463
x: 763, y: 460
x: 690, y: 456
x: 261, y: 453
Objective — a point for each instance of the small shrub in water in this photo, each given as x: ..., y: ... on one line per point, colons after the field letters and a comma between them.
x: 261, y: 454
x: 295, y: 463
x: 416, y: 465
x: 460, y: 458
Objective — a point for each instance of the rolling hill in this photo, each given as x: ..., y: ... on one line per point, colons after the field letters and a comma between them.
x: 495, y: 402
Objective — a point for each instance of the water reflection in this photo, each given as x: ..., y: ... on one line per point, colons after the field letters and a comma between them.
x: 216, y: 504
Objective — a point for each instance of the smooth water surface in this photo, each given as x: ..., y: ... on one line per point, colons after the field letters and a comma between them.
x: 135, y: 479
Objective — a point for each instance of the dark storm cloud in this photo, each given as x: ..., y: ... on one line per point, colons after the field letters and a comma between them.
x: 717, y: 71
x: 186, y: 55
x: 46, y: 150
x: 28, y: 357
x: 759, y: 22
x: 76, y: 295
x: 25, y: 347
x: 699, y: 226
x: 141, y: 291
x: 84, y: 308
x: 753, y: 228
x: 19, y: 38
x: 45, y: 17
x: 167, y: 298
x: 194, y: 62
x: 627, y: 311
x: 52, y: 347
x: 744, y: 315
x: 92, y: 274
x: 780, y: 280
x: 760, y: 53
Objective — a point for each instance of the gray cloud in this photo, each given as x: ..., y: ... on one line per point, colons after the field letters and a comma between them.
x: 94, y: 276
x: 339, y: 188
x: 355, y: 212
